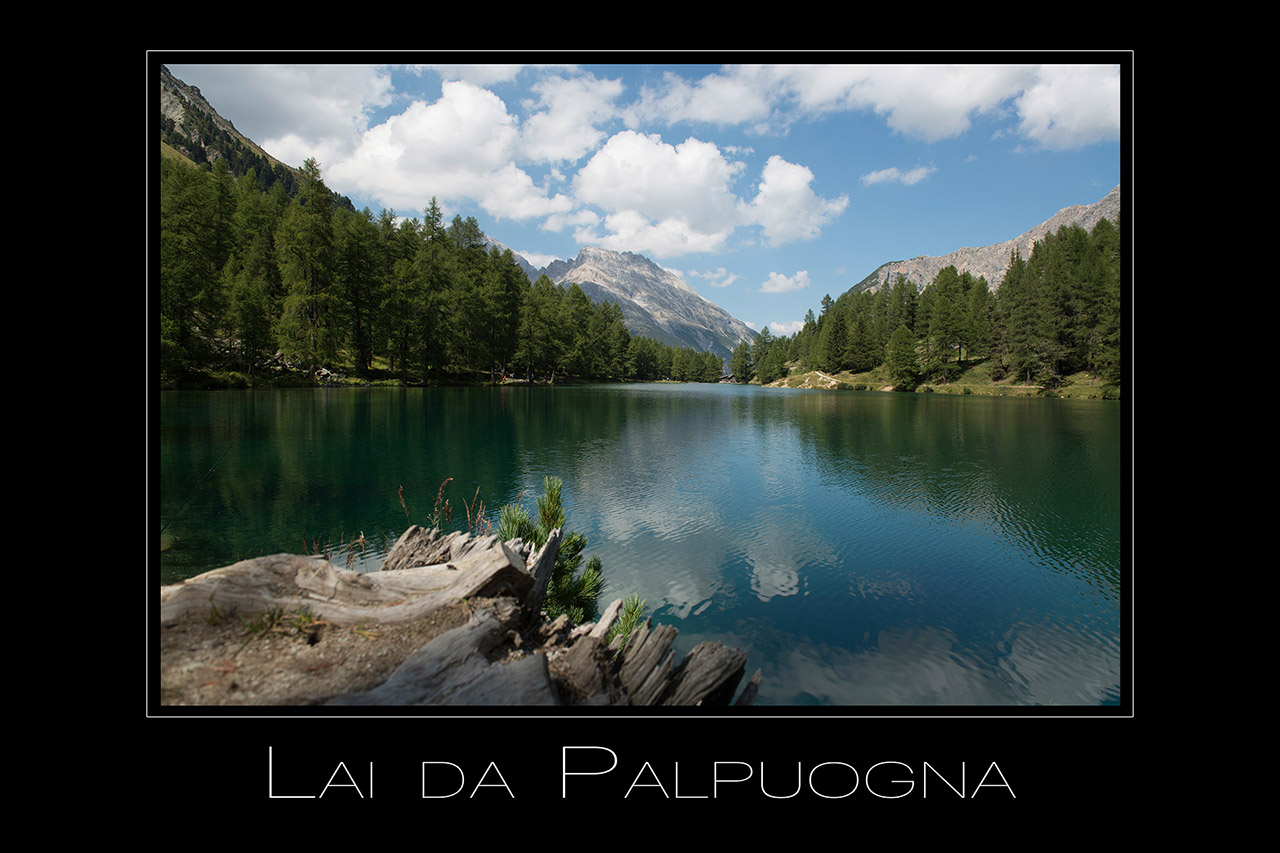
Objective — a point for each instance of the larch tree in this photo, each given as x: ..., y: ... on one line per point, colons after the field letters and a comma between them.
x: 900, y: 358
x: 192, y: 299
x: 357, y: 282
x: 304, y: 243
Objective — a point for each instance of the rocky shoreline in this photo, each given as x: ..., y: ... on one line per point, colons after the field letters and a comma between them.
x: 451, y: 619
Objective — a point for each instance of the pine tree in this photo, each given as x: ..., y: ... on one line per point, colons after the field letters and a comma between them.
x: 435, y: 294
x: 572, y: 590
x: 540, y: 340
x: 251, y: 273
x: 505, y: 287
x: 1106, y: 241
x: 900, y: 358
x: 1090, y: 301
x: 192, y: 297
x: 1051, y: 272
x: 356, y: 281
x: 578, y: 342
x: 879, y: 323
x: 862, y: 354
x: 740, y: 364
x: 399, y: 308
x: 222, y: 213
x: 1019, y: 306
x: 767, y: 357
x: 946, y: 318
x: 772, y: 368
x: 806, y: 340
x: 906, y: 300
x: 833, y: 340
x: 979, y: 316
x: 304, y: 243
x: 399, y: 300
x: 624, y: 366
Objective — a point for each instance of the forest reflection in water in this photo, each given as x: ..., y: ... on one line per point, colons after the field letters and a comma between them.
x: 864, y: 548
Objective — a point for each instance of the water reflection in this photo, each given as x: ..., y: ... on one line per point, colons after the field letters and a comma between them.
x: 865, y: 548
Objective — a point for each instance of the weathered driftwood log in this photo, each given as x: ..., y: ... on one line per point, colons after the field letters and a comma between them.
x: 454, y: 669
x: 421, y: 546
x: 505, y: 655
x: 600, y: 629
x: 749, y: 693
x: 708, y: 675
x: 583, y: 672
x: 647, y: 661
x: 540, y: 566
x: 643, y: 671
x: 345, y: 597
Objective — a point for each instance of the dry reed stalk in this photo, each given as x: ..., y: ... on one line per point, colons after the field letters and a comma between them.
x: 448, y: 510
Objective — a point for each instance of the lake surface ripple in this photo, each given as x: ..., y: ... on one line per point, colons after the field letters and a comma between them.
x: 864, y: 548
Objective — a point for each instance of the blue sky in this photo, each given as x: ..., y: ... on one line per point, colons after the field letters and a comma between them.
x: 763, y: 186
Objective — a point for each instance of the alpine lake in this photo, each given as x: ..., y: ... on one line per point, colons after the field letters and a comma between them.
x: 864, y: 548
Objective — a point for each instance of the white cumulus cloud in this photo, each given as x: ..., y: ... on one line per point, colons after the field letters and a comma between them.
x: 538, y: 259
x: 787, y: 207
x: 668, y: 199
x: 459, y: 147
x: 895, y: 175
x: 786, y: 327
x: 720, y: 277
x: 719, y: 98
x: 583, y: 220
x: 1053, y: 106
x: 563, y: 124
x: 630, y: 231
x: 1071, y: 106
x: 928, y: 102
x: 478, y: 75
x: 779, y: 283
x: 673, y: 199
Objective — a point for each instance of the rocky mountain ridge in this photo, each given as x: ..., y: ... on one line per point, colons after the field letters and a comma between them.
x: 655, y: 303
x: 184, y: 105
x: 992, y: 261
x: 530, y: 271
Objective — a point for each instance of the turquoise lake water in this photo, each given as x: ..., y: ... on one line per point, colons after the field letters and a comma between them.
x: 864, y: 548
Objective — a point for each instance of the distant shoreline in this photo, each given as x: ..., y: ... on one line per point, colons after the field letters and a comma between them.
x: 1078, y: 386
x: 976, y: 382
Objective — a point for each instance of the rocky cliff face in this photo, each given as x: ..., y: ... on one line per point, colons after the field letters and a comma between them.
x: 177, y: 100
x: 992, y: 261
x: 530, y: 271
x: 655, y: 303
x: 195, y: 119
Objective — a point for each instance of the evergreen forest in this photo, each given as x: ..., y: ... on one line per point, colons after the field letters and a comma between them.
x: 1055, y: 314
x: 265, y: 277
x: 268, y: 276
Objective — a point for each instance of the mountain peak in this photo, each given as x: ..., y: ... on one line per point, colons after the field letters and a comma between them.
x: 655, y: 302
x: 992, y: 261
